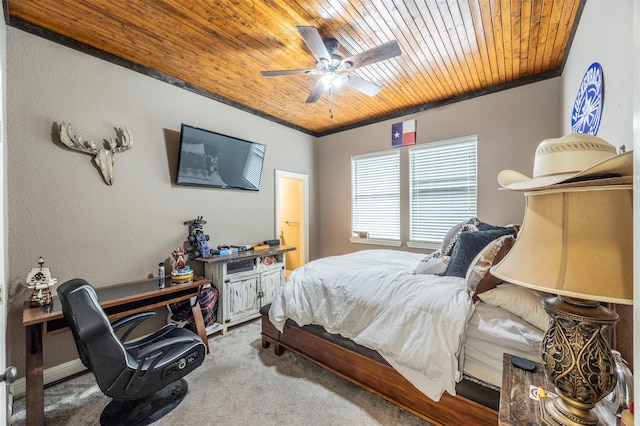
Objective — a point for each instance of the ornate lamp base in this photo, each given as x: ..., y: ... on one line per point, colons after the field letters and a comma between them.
x: 577, y: 358
x: 554, y: 412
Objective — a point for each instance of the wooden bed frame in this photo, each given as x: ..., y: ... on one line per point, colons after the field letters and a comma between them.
x: 376, y: 377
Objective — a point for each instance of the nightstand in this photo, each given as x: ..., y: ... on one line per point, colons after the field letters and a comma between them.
x: 516, y: 407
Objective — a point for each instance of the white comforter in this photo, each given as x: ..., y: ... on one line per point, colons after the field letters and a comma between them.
x: 416, y: 322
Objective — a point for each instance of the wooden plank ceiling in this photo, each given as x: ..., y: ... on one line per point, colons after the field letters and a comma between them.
x: 451, y: 49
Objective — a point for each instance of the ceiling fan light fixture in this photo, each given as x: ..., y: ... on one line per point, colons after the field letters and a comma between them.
x: 337, y: 82
x: 332, y: 69
x: 333, y: 80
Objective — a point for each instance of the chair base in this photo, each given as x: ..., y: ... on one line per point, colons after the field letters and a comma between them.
x: 145, y: 410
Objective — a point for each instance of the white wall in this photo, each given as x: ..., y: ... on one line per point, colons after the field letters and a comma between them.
x: 604, y: 35
x: 59, y: 207
x: 509, y: 124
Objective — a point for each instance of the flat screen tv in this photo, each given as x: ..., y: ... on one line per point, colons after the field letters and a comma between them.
x: 213, y: 160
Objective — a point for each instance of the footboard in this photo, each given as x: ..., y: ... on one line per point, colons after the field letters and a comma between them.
x: 376, y: 377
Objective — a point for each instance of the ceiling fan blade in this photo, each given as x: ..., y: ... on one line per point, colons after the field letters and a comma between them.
x: 384, y: 51
x: 315, y: 94
x: 314, y: 42
x: 363, y: 86
x: 280, y: 73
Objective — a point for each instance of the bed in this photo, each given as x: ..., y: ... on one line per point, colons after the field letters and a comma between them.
x: 364, y: 315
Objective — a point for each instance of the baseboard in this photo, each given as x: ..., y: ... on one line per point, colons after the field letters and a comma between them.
x: 51, y: 375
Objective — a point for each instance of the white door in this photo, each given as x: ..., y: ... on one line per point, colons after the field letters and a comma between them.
x: 292, y: 216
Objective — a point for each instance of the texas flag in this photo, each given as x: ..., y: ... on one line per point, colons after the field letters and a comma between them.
x: 403, y: 134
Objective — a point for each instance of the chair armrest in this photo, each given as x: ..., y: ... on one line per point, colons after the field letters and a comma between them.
x: 154, y: 352
x: 163, y: 345
x: 136, y: 319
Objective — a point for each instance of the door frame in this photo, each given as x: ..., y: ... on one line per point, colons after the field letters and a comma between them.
x: 5, y: 398
x: 305, y: 208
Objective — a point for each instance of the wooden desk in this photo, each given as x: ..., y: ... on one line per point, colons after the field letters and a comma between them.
x: 117, y: 301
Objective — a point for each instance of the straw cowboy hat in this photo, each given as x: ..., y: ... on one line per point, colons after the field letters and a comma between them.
x: 575, y: 156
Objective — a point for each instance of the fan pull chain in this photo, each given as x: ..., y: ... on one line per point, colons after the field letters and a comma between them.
x: 331, y: 102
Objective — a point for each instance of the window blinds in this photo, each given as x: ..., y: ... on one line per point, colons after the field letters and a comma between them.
x: 443, y: 187
x: 375, y: 196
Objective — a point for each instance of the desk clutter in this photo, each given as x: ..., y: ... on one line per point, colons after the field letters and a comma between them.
x: 224, y: 249
x: 39, y: 281
x: 181, y: 271
x: 199, y: 242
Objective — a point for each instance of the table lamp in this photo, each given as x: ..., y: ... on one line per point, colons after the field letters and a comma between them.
x: 576, y: 243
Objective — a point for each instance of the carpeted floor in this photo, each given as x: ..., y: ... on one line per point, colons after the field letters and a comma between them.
x: 240, y: 383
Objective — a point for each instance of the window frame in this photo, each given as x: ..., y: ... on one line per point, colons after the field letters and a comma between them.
x: 398, y: 180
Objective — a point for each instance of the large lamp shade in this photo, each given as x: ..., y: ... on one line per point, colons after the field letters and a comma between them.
x: 575, y: 242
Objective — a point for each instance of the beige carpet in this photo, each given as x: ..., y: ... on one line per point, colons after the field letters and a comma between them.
x: 240, y: 383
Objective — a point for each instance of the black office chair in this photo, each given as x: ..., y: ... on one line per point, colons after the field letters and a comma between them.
x: 144, y: 377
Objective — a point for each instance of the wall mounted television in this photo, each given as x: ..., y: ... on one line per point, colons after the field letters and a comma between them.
x: 213, y: 160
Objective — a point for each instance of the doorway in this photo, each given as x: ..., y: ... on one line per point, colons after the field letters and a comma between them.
x: 292, y: 216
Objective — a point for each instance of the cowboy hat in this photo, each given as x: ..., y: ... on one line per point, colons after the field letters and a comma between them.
x: 575, y: 156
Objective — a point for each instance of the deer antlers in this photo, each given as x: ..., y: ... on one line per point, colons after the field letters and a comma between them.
x: 103, y: 156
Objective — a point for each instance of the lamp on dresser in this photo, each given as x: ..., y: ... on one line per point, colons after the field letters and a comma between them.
x: 576, y: 242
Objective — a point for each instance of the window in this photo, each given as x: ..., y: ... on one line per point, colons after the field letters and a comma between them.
x: 375, y: 196
x: 443, y: 188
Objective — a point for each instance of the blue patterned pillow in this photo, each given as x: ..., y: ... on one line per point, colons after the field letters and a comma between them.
x: 450, y: 239
x: 469, y: 244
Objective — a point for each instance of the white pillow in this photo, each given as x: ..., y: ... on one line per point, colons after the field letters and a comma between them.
x: 520, y: 301
x: 435, y: 263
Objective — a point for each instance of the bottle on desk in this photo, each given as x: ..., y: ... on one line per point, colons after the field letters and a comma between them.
x: 161, y: 274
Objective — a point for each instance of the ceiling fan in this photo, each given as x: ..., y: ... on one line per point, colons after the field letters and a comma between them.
x: 333, y: 69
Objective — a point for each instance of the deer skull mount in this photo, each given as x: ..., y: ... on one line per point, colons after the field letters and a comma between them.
x: 104, y: 157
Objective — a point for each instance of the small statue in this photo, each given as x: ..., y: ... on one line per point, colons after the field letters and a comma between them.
x: 181, y: 271
x: 197, y: 238
x: 40, y: 282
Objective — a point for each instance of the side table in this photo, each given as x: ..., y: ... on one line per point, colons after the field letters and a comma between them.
x: 516, y: 407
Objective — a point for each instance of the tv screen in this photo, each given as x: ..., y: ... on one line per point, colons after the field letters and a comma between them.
x: 217, y: 161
